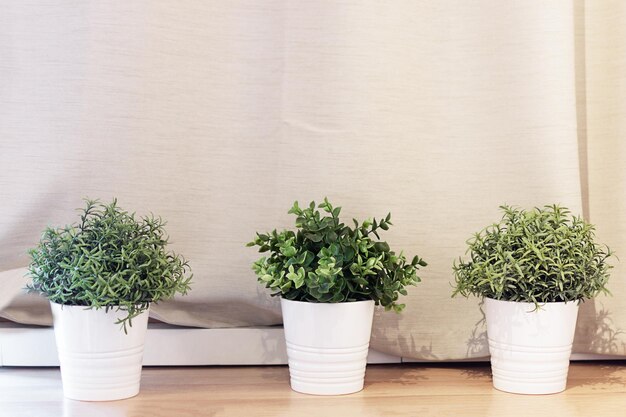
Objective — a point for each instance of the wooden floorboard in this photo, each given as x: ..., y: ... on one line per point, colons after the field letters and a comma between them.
x: 594, y: 389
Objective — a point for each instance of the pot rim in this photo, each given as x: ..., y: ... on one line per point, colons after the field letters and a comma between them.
x: 327, y: 304
x: 554, y: 303
x: 91, y: 307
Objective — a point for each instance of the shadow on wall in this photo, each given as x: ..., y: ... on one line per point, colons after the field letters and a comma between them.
x: 386, y: 332
x: 477, y: 343
x: 274, y: 346
x: 270, y: 306
x: 596, y: 332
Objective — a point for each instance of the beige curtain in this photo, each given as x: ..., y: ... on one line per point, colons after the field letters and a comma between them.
x: 218, y: 114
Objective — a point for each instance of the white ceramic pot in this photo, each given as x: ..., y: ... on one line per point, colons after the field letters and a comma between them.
x: 99, y: 362
x: 327, y: 345
x: 530, y: 349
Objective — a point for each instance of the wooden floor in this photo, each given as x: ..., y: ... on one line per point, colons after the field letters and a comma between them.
x: 594, y: 389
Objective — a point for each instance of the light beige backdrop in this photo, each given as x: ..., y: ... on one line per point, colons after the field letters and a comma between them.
x: 218, y: 114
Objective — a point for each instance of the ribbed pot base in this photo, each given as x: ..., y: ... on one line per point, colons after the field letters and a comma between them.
x: 99, y: 362
x: 327, y: 371
x: 532, y: 387
x: 530, y: 348
x: 326, y: 389
x: 101, y: 376
x: 327, y: 345
x: 101, y: 394
x: 529, y: 370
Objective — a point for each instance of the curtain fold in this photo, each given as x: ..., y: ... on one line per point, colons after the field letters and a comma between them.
x: 218, y: 115
x: 602, y: 329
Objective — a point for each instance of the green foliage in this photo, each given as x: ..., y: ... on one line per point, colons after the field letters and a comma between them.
x: 328, y: 262
x: 538, y: 256
x: 108, y: 260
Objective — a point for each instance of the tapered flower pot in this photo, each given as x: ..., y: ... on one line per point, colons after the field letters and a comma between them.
x: 327, y: 345
x: 99, y: 362
x: 530, y: 349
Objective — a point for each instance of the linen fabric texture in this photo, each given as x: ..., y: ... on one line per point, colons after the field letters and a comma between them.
x: 218, y: 115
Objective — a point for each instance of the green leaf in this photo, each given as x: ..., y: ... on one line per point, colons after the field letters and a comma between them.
x: 110, y: 258
x: 323, y: 260
x: 314, y: 237
x: 537, y: 256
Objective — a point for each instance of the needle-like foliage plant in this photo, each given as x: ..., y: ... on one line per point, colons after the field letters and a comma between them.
x: 110, y: 259
x: 325, y: 261
x: 537, y: 256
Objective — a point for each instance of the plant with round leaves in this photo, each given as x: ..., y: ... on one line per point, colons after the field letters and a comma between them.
x: 325, y: 261
x: 109, y: 260
x: 538, y: 256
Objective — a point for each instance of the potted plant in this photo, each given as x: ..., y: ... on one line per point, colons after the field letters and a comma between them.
x: 329, y: 277
x: 532, y: 269
x: 101, y: 275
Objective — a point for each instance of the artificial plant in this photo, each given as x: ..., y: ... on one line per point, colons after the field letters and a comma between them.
x: 110, y: 259
x: 326, y: 261
x: 537, y: 256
